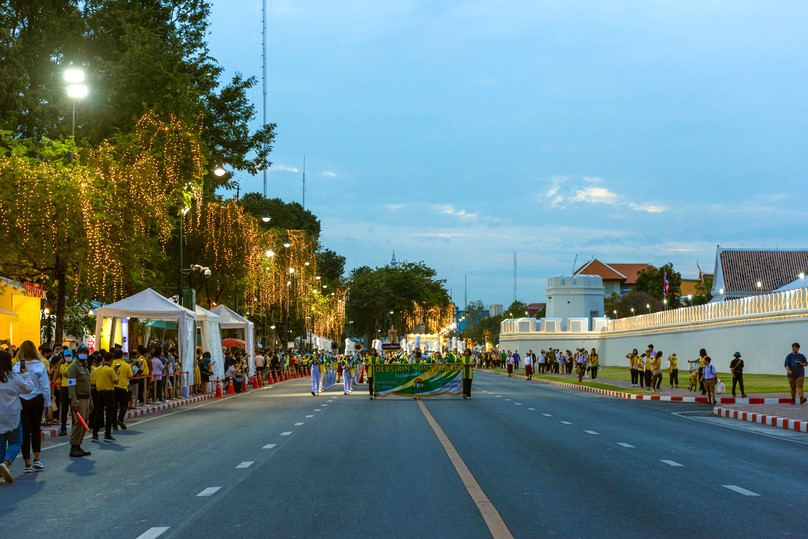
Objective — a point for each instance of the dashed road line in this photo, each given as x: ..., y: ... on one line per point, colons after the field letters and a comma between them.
x: 309, y: 416
x: 518, y: 403
x: 153, y: 533
x: 269, y: 446
x: 318, y: 410
x: 210, y: 491
x: 566, y: 423
x: 671, y: 463
x: 740, y: 490
x: 532, y: 409
x: 298, y: 423
x: 624, y: 444
x: 547, y: 415
x: 591, y: 432
x: 287, y: 433
x: 245, y: 464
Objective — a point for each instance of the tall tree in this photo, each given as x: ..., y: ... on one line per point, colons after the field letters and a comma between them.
x: 651, y: 281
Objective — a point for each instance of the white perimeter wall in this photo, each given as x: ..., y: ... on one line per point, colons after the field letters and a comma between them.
x: 763, y: 344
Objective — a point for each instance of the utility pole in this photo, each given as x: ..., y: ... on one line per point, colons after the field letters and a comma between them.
x: 264, y: 74
x: 514, y: 276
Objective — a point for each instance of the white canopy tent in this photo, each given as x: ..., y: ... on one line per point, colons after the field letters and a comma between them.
x: 208, y: 324
x: 229, y: 319
x: 150, y: 305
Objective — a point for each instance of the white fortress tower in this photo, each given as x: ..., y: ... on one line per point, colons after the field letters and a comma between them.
x: 573, y: 302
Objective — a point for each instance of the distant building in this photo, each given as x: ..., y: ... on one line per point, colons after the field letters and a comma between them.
x: 617, y: 278
x: 741, y: 273
x: 574, y: 301
x: 534, y: 308
x: 496, y: 309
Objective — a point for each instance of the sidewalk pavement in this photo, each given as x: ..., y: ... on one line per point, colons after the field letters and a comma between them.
x: 773, y: 409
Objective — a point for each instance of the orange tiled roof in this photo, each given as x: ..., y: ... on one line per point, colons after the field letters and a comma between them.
x: 625, y: 273
x: 742, y: 269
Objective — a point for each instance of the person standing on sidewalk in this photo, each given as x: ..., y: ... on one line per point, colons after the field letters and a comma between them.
x: 708, y: 378
x: 33, y: 403
x: 736, y: 368
x: 105, y: 380
x: 122, y: 394
x: 528, y: 365
x: 78, y: 390
x: 12, y: 386
x: 594, y: 363
x: 633, y: 365
x: 795, y: 368
x: 64, y: 399
x: 673, y: 370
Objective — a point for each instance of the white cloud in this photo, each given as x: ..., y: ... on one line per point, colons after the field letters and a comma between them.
x: 595, y: 195
x: 647, y: 207
x: 284, y: 168
x: 448, y: 209
x: 568, y: 190
x: 329, y: 174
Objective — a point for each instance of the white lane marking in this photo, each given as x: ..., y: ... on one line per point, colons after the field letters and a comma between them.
x: 298, y: 424
x: 152, y: 533
x: 624, y: 444
x: 324, y: 405
x: 330, y: 400
x: 518, y: 403
x: 499, y: 396
x: 740, y: 490
x: 318, y: 410
x: 245, y: 464
x: 566, y: 423
x: 532, y: 409
x: 210, y: 491
x: 591, y: 432
x: 547, y: 415
x: 309, y: 416
x: 671, y: 463
x: 269, y: 446
x: 507, y: 399
x: 287, y: 433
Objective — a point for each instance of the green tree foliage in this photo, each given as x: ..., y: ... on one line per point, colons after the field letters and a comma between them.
x: 283, y: 215
x: 149, y: 55
x: 331, y: 267
x: 650, y: 281
x: 410, y: 290
x: 517, y: 309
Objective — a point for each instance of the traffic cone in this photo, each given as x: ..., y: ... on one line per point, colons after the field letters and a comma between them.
x: 244, y: 386
x: 274, y: 377
x: 231, y: 388
x: 218, y: 388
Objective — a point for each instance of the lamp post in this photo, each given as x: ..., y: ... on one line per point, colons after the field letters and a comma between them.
x: 759, y: 287
x: 648, y: 305
x: 76, y: 89
x: 183, y: 212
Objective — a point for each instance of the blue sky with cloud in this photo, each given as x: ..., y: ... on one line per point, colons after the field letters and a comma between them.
x: 458, y: 132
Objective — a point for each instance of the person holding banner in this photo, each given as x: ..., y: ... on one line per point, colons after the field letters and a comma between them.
x: 468, y: 372
x: 78, y: 390
x: 372, y: 359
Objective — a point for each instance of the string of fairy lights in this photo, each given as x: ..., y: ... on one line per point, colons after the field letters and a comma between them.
x: 87, y: 216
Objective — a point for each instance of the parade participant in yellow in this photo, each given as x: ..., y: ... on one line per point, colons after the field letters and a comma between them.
x: 673, y: 369
x: 371, y: 360
x: 633, y: 363
x: 468, y: 372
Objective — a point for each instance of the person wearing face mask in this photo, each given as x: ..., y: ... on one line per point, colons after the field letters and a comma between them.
x: 64, y: 399
x: 78, y: 389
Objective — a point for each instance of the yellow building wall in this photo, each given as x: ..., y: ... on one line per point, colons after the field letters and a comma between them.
x: 26, y: 324
x: 106, y: 327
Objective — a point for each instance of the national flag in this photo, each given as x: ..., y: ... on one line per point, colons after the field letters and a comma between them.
x: 666, y: 287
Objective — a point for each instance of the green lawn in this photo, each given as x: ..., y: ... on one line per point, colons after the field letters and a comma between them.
x: 753, y: 383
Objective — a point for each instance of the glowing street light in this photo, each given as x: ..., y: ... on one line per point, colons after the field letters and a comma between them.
x: 269, y: 253
x: 219, y: 171
x: 76, y: 89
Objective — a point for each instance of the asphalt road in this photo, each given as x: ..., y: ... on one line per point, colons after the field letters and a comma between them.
x: 552, y: 462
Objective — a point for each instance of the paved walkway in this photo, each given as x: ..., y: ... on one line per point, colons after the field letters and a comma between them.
x: 773, y: 409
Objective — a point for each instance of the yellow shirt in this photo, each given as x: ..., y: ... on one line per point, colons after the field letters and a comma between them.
x: 702, y: 362
x: 124, y: 373
x: 63, y: 371
x: 105, y: 378
x: 144, y: 364
x: 674, y: 363
x: 633, y: 361
x: 92, y: 375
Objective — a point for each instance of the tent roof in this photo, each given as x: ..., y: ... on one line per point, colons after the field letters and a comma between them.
x: 146, y: 304
x: 204, y: 315
x: 229, y: 318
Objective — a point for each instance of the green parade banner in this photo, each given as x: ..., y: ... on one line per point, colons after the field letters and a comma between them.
x: 418, y: 379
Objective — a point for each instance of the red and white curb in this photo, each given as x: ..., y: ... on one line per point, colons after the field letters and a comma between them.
x: 763, y: 419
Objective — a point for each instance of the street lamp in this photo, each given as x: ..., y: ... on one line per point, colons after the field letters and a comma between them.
x: 648, y: 305
x: 219, y: 171
x: 76, y: 89
x: 632, y: 311
x: 759, y: 286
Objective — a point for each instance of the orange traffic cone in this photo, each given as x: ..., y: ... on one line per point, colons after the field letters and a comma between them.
x: 218, y: 388
x: 244, y: 386
x: 231, y: 388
